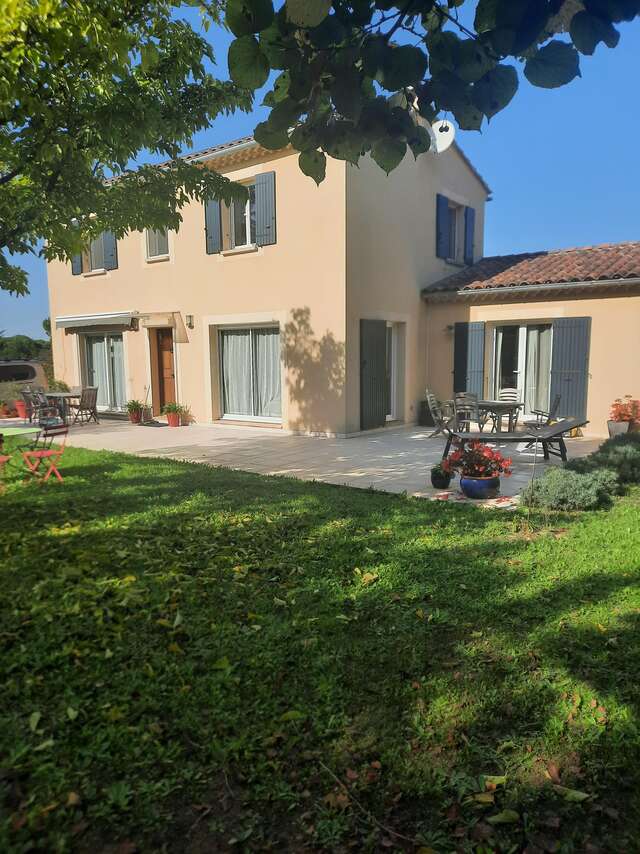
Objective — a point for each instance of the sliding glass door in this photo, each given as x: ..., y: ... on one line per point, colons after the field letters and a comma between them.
x: 104, y: 368
x: 250, y: 373
x: 522, y: 361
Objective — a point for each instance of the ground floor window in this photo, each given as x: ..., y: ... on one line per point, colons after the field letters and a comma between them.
x: 250, y: 373
x: 522, y: 361
x: 104, y: 368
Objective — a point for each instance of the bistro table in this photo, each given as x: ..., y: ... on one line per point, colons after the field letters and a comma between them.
x: 19, y: 430
x: 497, y: 409
x: 62, y: 398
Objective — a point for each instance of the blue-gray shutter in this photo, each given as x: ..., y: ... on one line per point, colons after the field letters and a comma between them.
x: 373, y: 374
x: 468, y: 358
x: 442, y: 226
x: 266, y: 208
x: 469, y: 234
x: 76, y: 264
x: 570, y: 365
x: 110, y: 250
x: 213, y: 226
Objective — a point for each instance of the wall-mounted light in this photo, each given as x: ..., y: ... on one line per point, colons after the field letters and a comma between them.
x: 188, y: 319
x: 449, y: 328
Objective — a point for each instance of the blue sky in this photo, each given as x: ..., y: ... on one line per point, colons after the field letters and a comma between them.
x: 562, y: 164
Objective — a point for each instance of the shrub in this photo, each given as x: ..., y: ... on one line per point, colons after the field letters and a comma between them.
x: 564, y: 489
x: 620, y: 454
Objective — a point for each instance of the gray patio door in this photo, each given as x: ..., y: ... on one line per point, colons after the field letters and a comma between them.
x: 374, y: 403
x: 570, y: 365
x: 468, y: 357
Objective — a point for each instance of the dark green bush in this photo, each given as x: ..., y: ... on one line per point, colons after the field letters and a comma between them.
x: 620, y: 454
x: 563, y: 489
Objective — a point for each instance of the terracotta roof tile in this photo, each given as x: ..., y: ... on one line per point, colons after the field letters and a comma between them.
x: 559, y: 266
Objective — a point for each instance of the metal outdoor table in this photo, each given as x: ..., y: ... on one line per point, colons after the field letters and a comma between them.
x: 16, y: 431
x: 64, y: 397
x: 500, y: 408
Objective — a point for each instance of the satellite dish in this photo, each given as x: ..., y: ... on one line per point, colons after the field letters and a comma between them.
x: 442, y: 134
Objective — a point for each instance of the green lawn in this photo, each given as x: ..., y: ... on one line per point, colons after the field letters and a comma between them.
x: 209, y: 660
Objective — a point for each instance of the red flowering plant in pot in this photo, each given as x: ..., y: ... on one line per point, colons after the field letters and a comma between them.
x: 480, y: 468
x: 624, y: 415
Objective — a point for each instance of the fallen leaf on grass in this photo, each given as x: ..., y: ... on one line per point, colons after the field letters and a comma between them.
x: 484, y: 797
x: 34, y: 720
x: 351, y: 774
x: 73, y: 799
x: 571, y: 795
x: 337, y: 800
x: 504, y: 817
x: 492, y: 781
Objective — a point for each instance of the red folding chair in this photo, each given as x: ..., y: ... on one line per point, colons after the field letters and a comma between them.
x: 4, y: 459
x: 42, y: 451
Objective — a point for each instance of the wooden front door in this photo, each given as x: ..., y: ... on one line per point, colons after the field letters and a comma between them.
x: 166, y: 375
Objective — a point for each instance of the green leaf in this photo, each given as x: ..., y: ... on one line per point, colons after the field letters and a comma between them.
x: 403, y: 66
x: 221, y: 664
x: 587, y: 31
x: 293, y: 715
x: 420, y: 141
x: 495, y: 90
x: 307, y: 13
x: 304, y: 138
x: 504, y: 817
x: 468, y: 117
x: 244, y: 17
x: 388, y: 153
x: 270, y: 138
x: 555, y: 64
x: 313, y: 164
x: 284, y: 115
x: 34, y: 720
x: 281, y: 86
x: 347, y: 95
x: 571, y: 795
x: 472, y: 61
x: 248, y: 66
x: 72, y: 713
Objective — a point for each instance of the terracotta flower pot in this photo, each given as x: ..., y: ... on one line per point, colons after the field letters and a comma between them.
x: 135, y: 417
x: 480, y: 487
x: 21, y: 408
x: 173, y: 419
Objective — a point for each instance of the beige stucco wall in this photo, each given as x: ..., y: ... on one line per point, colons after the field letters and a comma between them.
x: 299, y: 283
x: 613, y: 361
x: 391, y: 255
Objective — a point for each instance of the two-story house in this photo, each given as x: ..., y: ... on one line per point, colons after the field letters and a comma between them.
x: 301, y: 308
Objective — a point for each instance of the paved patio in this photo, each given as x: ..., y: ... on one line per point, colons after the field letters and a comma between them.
x: 393, y: 460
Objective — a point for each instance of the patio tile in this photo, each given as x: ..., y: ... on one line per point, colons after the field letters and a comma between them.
x: 396, y: 460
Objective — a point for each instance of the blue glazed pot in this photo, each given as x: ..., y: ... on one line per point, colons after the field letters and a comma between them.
x: 480, y: 487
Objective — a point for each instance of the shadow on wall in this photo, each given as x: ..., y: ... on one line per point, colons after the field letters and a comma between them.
x: 316, y: 368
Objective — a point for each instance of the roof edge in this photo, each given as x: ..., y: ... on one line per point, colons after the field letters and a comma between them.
x: 470, y: 293
x: 472, y: 168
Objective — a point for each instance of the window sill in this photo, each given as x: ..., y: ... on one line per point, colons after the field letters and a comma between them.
x: 240, y: 250
x: 453, y: 262
x: 157, y: 258
x: 251, y: 419
x: 95, y: 273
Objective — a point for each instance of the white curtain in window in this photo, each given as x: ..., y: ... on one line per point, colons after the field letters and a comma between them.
x: 117, y: 370
x: 95, y: 349
x: 266, y: 357
x: 538, y: 367
x: 236, y: 372
x: 157, y: 243
x: 497, y: 364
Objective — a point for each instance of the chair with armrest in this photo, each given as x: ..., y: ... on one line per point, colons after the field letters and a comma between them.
x: 86, y: 409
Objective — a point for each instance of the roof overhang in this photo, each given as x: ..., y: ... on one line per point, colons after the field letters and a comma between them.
x: 119, y: 320
x: 608, y: 287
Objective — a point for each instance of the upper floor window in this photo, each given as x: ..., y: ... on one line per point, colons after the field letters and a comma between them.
x: 243, y: 220
x: 157, y: 243
x: 455, y: 231
x: 243, y: 224
x: 101, y: 255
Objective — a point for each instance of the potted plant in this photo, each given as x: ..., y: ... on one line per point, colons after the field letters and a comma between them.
x: 21, y: 408
x: 440, y: 477
x: 134, y: 408
x: 480, y: 468
x: 624, y: 416
x: 174, y: 412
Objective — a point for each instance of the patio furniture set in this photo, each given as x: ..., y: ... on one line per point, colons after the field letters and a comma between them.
x: 453, y: 418
x: 51, y: 411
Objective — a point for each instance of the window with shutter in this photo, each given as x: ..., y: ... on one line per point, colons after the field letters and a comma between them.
x: 157, y: 243
x: 213, y: 226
